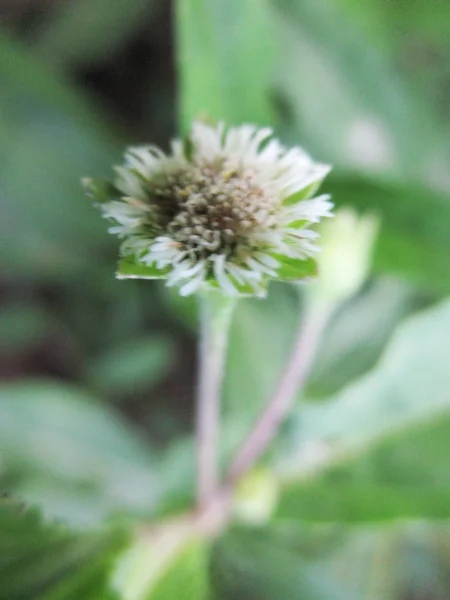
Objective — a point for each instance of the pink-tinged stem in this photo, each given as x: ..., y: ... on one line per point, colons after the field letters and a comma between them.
x: 292, y: 381
x: 216, y: 312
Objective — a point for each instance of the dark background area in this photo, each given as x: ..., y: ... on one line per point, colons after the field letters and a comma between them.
x: 133, y: 83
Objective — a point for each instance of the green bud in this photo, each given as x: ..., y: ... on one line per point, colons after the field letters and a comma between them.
x: 347, y: 243
x: 256, y: 497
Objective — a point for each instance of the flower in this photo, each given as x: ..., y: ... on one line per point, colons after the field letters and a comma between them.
x: 227, y: 209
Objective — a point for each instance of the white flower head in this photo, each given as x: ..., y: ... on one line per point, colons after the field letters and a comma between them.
x: 227, y: 209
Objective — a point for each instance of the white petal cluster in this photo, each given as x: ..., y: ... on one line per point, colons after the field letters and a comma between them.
x: 222, y: 209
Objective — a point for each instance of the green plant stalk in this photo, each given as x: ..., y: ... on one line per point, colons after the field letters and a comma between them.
x: 215, y: 318
x: 292, y: 381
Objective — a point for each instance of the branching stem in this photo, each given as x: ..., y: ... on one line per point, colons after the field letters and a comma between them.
x: 292, y: 381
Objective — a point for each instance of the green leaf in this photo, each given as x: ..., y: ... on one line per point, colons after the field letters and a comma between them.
x: 91, y: 31
x: 415, y: 233
x: 296, y: 269
x: 341, y: 436
x: 404, y: 476
x: 408, y: 384
x: 344, y: 501
x: 358, y: 333
x: 49, y: 138
x: 133, y: 365
x: 332, y: 562
x: 101, y: 190
x: 225, y: 58
x: 344, y: 97
x: 46, y: 561
x: 187, y: 577
x: 400, y: 28
x: 399, y: 16
x: 169, y: 562
x: 265, y: 565
x: 130, y: 268
x: 73, y: 455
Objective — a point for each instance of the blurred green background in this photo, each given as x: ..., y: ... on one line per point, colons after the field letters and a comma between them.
x: 96, y: 402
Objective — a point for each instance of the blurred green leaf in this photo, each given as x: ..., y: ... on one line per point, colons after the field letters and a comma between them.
x: 52, y: 432
x: 409, y: 386
x: 404, y: 476
x: 291, y: 561
x: 22, y: 72
x: 100, y: 190
x: 184, y: 308
x: 336, y: 501
x: 260, y: 565
x: 187, y: 577
x: 101, y: 311
x: 409, y: 383
x: 225, y: 58
x: 46, y: 561
x: 415, y: 235
x: 22, y: 325
x: 346, y: 99
x: 133, y: 365
x: 417, y: 458
x: 49, y: 138
x: 169, y: 562
x: 91, y: 31
x: 358, y: 333
x: 387, y: 19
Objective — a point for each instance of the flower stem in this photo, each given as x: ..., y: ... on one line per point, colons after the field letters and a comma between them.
x: 292, y: 381
x: 215, y: 315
